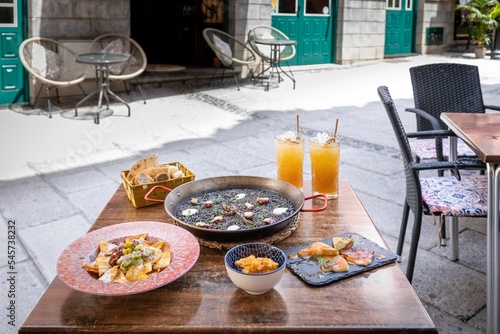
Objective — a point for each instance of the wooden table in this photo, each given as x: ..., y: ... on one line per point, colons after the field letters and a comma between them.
x: 482, y: 133
x: 205, y: 300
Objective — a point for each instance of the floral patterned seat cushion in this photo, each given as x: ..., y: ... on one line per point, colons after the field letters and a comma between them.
x: 452, y: 197
x: 425, y: 148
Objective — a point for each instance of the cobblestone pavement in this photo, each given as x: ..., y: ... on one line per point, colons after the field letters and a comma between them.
x: 57, y: 174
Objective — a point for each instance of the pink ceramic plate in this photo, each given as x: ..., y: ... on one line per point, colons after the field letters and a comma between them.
x: 183, y: 245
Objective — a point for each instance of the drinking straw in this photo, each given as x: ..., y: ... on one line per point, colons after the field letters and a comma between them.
x: 333, y: 139
x: 335, y: 130
x: 297, y: 127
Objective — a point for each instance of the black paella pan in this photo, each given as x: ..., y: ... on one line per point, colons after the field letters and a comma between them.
x: 197, y: 188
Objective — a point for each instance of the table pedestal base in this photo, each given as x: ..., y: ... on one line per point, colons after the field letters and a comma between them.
x: 102, y: 81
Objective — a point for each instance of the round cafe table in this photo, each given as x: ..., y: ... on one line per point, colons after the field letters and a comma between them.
x: 102, y: 63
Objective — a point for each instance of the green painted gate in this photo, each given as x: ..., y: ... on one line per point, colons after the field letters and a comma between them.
x: 399, y: 27
x: 311, y: 23
x: 12, y: 79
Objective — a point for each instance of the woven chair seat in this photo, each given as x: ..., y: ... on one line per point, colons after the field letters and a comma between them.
x: 451, y: 197
x: 425, y: 149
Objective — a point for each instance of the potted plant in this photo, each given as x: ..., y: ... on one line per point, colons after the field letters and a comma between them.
x: 483, y: 16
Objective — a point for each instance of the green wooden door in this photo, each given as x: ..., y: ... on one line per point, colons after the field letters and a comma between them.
x: 399, y: 27
x: 311, y: 24
x: 12, y: 79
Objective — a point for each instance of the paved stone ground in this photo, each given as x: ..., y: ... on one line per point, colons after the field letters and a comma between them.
x: 57, y: 174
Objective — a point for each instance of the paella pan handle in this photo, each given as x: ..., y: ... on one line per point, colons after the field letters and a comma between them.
x: 325, y: 203
x: 146, y: 197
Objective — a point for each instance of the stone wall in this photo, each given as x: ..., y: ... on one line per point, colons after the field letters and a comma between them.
x: 360, y: 34
x: 78, y: 19
x: 434, y: 13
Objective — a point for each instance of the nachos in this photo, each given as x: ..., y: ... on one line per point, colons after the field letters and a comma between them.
x: 134, y: 259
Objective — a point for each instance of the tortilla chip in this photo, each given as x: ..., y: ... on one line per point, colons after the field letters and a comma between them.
x: 135, y: 273
x: 92, y: 268
x: 120, y: 278
x: 159, y: 244
x: 109, y: 275
x: 139, y: 237
x: 163, y: 262
x: 147, y: 267
x: 103, y: 264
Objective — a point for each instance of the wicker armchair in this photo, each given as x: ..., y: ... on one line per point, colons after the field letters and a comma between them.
x: 452, y: 196
x: 118, y: 43
x: 264, y: 51
x: 444, y: 87
x: 51, y: 63
x: 224, y: 45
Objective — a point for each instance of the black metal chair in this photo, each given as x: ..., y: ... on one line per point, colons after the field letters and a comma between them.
x: 438, y: 88
x: 453, y: 196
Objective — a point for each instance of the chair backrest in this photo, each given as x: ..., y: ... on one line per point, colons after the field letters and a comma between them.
x: 413, y: 187
x: 445, y: 87
x: 224, y: 46
x: 51, y: 62
x: 118, y: 43
x: 268, y: 32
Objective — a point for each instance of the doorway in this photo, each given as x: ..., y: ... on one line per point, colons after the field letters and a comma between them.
x: 170, y: 32
x: 399, y: 27
x: 311, y: 23
x: 13, y: 85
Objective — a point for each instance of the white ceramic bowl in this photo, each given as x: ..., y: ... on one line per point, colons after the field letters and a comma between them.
x: 255, y: 284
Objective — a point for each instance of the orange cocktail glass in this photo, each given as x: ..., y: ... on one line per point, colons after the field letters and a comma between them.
x: 290, y: 159
x: 325, y: 159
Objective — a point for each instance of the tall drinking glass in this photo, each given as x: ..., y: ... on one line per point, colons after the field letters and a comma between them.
x: 325, y: 159
x: 290, y: 158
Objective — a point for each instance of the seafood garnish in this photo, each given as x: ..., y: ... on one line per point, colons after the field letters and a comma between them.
x: 263, y: 200
x: 249, y: 206
x: 233, y: 228
x: 193, y: 201
x: 229, y: 210
x: 269, y: 220
x: 208, y: 204
x: 240, y: 196
x: 202, y: 224
x: 189, y: 212
x: 248, y: 215
x: 217, y: 219
x: 279, y: 211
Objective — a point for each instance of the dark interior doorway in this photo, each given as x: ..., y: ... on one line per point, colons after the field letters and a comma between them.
x: 170, y: 32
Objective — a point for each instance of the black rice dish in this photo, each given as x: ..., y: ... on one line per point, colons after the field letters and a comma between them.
x: 234, y: 209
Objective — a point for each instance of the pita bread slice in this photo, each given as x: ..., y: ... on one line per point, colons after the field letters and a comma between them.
x: 144, y: 163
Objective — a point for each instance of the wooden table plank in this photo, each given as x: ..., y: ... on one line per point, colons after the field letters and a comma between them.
x: 205, y: 300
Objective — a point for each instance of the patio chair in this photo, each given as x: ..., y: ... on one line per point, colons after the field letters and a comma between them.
x: 130, y: 70
x: 52, y: 64
x: 224, y: 46
x: 443, y: 87
x: 264, y: 51
x: 452, y: 196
